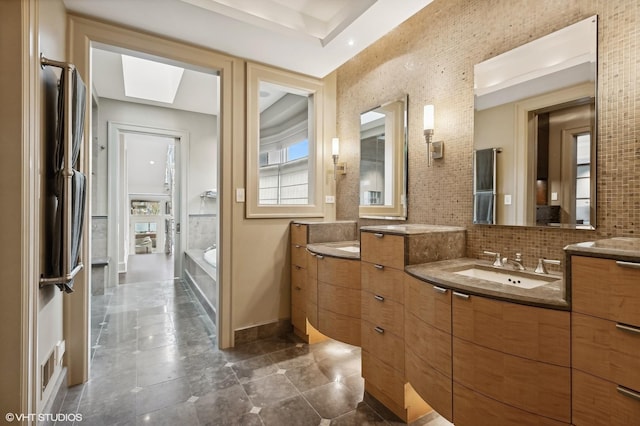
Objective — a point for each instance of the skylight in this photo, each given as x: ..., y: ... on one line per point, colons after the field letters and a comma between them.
x: 150, y: 80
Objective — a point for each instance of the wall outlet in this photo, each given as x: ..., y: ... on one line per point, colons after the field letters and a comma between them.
x: 329, y: 199
x: 507, y: 199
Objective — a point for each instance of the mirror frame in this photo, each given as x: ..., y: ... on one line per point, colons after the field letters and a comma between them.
x: 260, y: 73
x: 524, y: 149
x: 398, y: 209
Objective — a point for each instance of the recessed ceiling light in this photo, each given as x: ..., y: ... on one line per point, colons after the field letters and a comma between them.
x: 152, y: 162
x: 150, y: 80
x: 351, y: 42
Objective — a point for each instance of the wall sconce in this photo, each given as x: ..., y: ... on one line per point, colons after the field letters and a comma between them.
x: 435, y: 150
x: 335, y: 153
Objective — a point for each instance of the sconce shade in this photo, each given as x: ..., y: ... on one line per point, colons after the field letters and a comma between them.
x: 428, y: 117
x: 335, y: 147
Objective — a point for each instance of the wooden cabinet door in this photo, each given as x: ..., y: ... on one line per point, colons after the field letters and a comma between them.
x: 474, y: 409
x: 597, y: 402
x: 382, y: 249
x: 298, y: 234
x: 606, y: 349
x: 432, y: 386
x: 530, y: 332
x: 532, y: 386
x: 429, y: 303
x: 383, y: 281
x: 606, y: 289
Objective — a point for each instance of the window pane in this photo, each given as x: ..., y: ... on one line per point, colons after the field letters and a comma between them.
x: 583, y: 188
x: 299, y: 150
x: 583, y: 149
x: 583, y: 171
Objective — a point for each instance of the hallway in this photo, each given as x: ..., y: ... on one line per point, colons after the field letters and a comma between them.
x: 155, y: 361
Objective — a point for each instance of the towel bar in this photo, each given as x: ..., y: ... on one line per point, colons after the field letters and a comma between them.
x: 69, y: 267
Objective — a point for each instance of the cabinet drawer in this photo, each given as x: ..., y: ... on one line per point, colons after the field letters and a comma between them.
x: 606, y: 349
x: 535, y: 333
x: 383, y: 281
x: 298, y: 277
x: 341, y: 300
x: 298, y: 234
x: 383, y: 377
x: 383, y: 313
x: 532, y: 386
x: 340, y: 327
x: 339, y: 272
x: 382, y: 249
x: 473, y: 409
x: 383, y: 345
x: 298, y: 256
x: 598, y: 402
x: 433, y: 346
x: 432, y: 386
x: 298, y: 296
x: 605, y: 288
x: 431, y: 304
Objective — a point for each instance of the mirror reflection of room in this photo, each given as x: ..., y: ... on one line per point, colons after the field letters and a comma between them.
x: 284, y: 165
x: 383, y: 161
x: 536, y: 105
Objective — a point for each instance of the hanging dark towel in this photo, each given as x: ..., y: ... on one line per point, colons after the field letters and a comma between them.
x: 484, y: 193
x: 78, y: 100
x: 77, y: 188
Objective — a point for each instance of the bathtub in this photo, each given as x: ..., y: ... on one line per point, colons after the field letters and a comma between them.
x: 201, y: 273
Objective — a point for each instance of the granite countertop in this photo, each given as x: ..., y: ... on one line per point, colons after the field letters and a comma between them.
x: 624, y: 248
x: 334, y: 249
x: 552, y: 295
x: 411, y: 229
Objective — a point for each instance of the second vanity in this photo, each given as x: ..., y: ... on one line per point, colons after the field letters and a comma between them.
x: 444, y: 332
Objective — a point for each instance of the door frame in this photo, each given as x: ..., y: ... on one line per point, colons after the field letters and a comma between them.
x: 82, y: 32
x: 115, y: 194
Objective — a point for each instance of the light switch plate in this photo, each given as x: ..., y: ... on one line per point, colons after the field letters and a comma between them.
x: 329, y: 199
x: 554, y: 196
x: 239, y: 195
x: 507, y: 199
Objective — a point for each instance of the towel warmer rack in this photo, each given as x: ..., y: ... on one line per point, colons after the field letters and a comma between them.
x: 69, y: 271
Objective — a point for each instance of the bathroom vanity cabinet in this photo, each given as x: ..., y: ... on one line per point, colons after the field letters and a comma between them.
x: 518, y: 356
x: 383, y: 355
x: 428, y: 349
x: 396, y: 330
x: 339, y: 298
x: 299, y: 279
x: 606, y: 335
x: 477, y: 360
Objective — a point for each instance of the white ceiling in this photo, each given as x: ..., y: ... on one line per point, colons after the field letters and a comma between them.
x: 142, y: 176
x: 312, y: 37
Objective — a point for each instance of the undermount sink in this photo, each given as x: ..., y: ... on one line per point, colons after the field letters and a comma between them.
x: 350, y: 249
x: 506, y: 277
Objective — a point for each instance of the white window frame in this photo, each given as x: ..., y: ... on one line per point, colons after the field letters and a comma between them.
x: 304, y: 85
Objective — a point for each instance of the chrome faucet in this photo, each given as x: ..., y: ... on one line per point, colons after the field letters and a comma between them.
x: 541, y: 269
x: 499, y: 261
x: 517, y: 262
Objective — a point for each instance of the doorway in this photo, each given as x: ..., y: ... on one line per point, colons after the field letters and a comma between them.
x: 153, y: 194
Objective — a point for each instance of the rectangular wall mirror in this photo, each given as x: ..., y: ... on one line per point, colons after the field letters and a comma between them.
x: 383, y: 161
x: 535, y: 108
x: 284, y: 144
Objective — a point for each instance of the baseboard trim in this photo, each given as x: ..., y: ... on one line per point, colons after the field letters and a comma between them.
x: 262, y: 331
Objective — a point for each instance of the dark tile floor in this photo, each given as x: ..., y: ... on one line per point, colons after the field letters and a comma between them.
x: 155, y: 362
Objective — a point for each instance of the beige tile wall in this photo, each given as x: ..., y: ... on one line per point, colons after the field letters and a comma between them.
x: 431, y: 57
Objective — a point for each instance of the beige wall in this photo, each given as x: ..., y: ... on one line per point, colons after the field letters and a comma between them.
x: 431, y: 57
x: 11, y: 174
